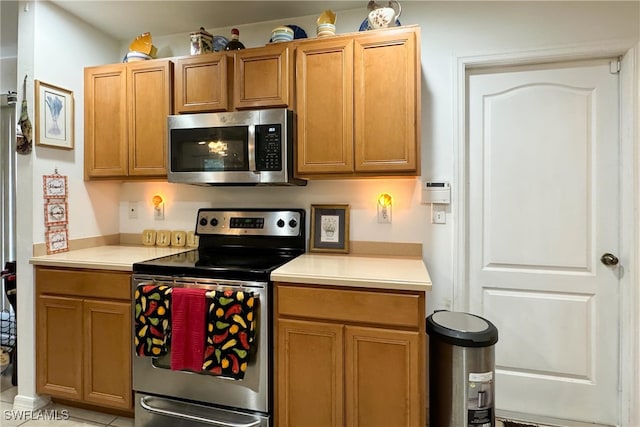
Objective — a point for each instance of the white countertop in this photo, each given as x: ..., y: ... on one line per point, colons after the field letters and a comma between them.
x: 357, y: 271
x: 108, y: 257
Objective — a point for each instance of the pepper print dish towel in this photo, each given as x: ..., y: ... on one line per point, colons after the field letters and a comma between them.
x: 152, y: 315
x: 230, y: 332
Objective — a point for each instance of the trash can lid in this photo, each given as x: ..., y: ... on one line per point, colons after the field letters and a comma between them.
x: 462, y: 329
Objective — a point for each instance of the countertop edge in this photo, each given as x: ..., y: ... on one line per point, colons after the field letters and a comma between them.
x: 80, y: 264
x: 351, y: 282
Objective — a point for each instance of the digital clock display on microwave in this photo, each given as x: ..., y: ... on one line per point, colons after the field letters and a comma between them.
x: 246, y: 222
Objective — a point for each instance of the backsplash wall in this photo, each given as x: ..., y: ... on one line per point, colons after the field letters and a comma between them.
x: 182, y: 202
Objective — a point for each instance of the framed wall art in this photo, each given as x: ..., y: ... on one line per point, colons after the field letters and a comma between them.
x: 55, y: 212
x: 329, y: 228
x: 54, y: 116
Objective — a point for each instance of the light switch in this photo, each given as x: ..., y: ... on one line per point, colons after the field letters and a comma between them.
x: 438, y: 214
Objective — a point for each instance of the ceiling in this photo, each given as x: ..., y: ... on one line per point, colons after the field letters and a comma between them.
x: 123, y: 20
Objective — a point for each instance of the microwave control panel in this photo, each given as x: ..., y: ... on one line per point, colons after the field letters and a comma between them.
x: 269, y: 147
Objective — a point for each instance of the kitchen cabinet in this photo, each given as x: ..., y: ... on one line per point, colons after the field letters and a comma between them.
x: 200, y: 83
x: 83, y: 336
x: 126, y: 108
x: 358, y: 104
x: 349, y: 357
x: 245, y: 79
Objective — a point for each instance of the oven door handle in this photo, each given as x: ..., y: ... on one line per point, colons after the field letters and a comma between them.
x: 145, y: 405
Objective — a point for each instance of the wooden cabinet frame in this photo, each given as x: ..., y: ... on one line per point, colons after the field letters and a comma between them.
x: 349, y: 356
x: 83, y: 336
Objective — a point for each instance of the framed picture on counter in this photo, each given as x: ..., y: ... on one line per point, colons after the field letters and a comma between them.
x: 329, y: 228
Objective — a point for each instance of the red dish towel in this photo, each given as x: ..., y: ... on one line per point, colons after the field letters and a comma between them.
x: 188, y: 323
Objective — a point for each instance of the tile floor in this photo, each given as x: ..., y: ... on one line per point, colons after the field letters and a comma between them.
x: 76, y: 417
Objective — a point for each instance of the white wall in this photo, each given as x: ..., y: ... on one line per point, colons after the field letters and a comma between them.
x: 62, y: 46
x: 8, y: 45
x: 54, y: 47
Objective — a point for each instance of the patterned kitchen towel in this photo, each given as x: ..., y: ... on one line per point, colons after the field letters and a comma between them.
x: 188, y: 317
x: 230, y: 332
x: 152, y: 315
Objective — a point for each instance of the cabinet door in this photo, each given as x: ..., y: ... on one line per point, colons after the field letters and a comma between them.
x: 263, y: 77
x: 324, y: 106
x: 201, y: 84
x: 105, y: 121
x: 387, y: 101
x: 59, y: 346
x: 382, y: 385
x: 107, y: 353
x: 310, y: 374
x: 149, y: 100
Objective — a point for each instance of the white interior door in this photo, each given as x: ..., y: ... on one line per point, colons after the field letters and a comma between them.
x: 543, y: 209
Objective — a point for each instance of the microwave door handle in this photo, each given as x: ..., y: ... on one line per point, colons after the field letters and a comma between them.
x: 145, y: 405
x: 252, y: 149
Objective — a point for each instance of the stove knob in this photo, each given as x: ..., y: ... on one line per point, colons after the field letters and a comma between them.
x: 280, y: 223
x: 203, y: 221
x: 293, y: 223
x: 214, y: 222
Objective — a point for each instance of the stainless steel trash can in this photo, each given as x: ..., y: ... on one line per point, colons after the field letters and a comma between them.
x: 461, y: 370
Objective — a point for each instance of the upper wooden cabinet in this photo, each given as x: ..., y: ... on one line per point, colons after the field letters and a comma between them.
x: 201, y: 83
x: 358, y: 104
x: 263, y: 77
x: 240, y: 80
x: 126, y: 109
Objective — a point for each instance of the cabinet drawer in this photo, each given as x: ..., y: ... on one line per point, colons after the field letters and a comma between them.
x: 84, y: 283
x: 347, y: 305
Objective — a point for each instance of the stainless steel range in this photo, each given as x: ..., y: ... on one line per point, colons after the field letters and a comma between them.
x: 231, y: 267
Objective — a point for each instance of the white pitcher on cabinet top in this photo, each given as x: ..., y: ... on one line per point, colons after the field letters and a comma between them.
x: 383, y: 16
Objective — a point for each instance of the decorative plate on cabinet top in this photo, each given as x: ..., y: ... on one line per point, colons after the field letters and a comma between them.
x: 365, y: 26
x: 219, y: 43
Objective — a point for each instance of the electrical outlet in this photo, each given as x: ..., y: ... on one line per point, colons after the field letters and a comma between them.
x: 158, y: 212
x: 438, y: 214
x: 384, y: 214
x: 133, y: 210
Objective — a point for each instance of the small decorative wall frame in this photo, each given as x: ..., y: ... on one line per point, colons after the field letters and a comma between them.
x: 57, y: 240
x: 54, y: 116
x: 54, y: 186
x: 329, y: 228
x: 55, y: 212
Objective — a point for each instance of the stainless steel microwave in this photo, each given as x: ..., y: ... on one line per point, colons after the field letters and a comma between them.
x: 236, y: 148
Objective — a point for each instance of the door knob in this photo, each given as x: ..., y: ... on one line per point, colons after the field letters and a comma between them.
x: 609, y: 259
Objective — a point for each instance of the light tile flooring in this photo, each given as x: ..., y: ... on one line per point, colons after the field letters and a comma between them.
x: 76, y: 417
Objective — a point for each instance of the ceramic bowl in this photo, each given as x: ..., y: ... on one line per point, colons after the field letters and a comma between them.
x: 281, y: 34
x: 323, y: 30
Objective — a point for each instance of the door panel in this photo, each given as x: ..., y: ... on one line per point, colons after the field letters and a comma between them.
x: 59, y: 338
x: 310, y: 362
x: 382, y: 388
x: 107, y: 353
x: 324, y: 106
x: 543, y: 207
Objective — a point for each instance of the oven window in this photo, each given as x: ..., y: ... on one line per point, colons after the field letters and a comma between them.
x: 210, y: 149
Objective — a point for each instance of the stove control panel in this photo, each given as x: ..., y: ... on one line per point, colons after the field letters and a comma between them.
x: 274, y: 223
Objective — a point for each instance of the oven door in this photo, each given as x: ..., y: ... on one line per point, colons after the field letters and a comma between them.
x: 153, y: 411
x: 153, y: 375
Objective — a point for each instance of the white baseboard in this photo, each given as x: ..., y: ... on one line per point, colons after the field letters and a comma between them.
x: 28, y: 403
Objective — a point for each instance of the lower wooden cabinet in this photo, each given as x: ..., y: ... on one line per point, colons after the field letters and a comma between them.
x: 343, y: 365
x: 83, y: 336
